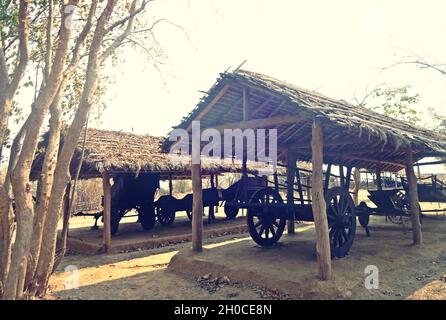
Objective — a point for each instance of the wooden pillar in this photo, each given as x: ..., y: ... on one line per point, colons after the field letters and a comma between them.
x: 211, y: 212
x: 216, y: 185
x: 309, y: 188
x: 246, y: 116
x: 379, y: 182
x: 327, y: 178
x: 318, y: 204
x: 197, y: 209
x: 367, y: 180
x: 299, y: 186
x: 413, y: 196
x: 357, y: 179
x: 170, y: 185
x: 290, y: 174
x: 212, y: 181
x: 106, y: 235
x: 276, y: 182
x: 348, y: 178
x: 341, y: 176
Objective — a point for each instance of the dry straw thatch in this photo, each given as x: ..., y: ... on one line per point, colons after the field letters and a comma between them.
x: 353, y: 135
x: 122, y: 152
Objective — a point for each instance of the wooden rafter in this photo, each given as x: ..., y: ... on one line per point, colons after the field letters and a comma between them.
x: 210, y: 105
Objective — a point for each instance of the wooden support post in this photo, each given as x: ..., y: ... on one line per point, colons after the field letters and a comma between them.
x: 246, y: 115
x: 348, y: 178
x: 413, y: 197
x: 276, y: 182
x: 379, y: 182
x: 106, y: 234
x: 357, y: 180
x: 341, y: 176
x: 212, y: 181
x: 211, y: 215
x: 290, y: 174
x: 318, y: 204
x: 299, y: 186
x: 309, y: 189
x: 216, y: 185
x: 197, y: 209
x: 211, y: 210
x: 170, y: 185
x: 327, y: 178
x: 367, y: 180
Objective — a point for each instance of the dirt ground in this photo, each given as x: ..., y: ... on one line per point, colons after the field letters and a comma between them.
x: 406, y: 272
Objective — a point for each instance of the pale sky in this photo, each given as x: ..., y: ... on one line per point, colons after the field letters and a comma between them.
x: 335, y: 47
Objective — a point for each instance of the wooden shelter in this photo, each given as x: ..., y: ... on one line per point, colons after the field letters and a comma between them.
x: 108, y: 154
x: 311, y: 127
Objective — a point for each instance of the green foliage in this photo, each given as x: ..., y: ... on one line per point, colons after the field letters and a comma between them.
x: 398, y: 103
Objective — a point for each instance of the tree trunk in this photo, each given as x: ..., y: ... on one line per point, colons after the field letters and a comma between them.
x: 6, y: 210
x: 62, y: 174
x: 6, y: 231
x: 45, y: 184
x: 20, y: 179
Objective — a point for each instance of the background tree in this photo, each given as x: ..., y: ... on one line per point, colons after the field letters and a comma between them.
x: 398, y: 103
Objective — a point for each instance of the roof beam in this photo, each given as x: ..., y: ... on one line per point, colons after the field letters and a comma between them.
x: 263, y: 122
x: 262, y: 105
x: 211, y: 104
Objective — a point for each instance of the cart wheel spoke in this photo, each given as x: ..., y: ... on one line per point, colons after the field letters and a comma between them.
x: 273, y: 232
x: 272, y: 227
x: 258, y: 223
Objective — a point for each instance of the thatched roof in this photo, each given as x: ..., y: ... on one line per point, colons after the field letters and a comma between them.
x: 353, y: 135
x: 122, y: 152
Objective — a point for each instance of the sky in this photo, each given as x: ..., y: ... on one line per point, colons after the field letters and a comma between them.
x: 338, y: 48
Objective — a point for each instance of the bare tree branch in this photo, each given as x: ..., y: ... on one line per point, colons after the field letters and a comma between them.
x: 131, y: 15
x: 128, y: 30
x: 421, y: 63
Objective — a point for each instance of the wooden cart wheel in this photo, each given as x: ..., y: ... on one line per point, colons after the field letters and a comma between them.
x: 146, y: 216
x: 341, y: 221
x: 265, y: 227
x: 231, y: 211
x: 401, y: 200
x: 165, y: 215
